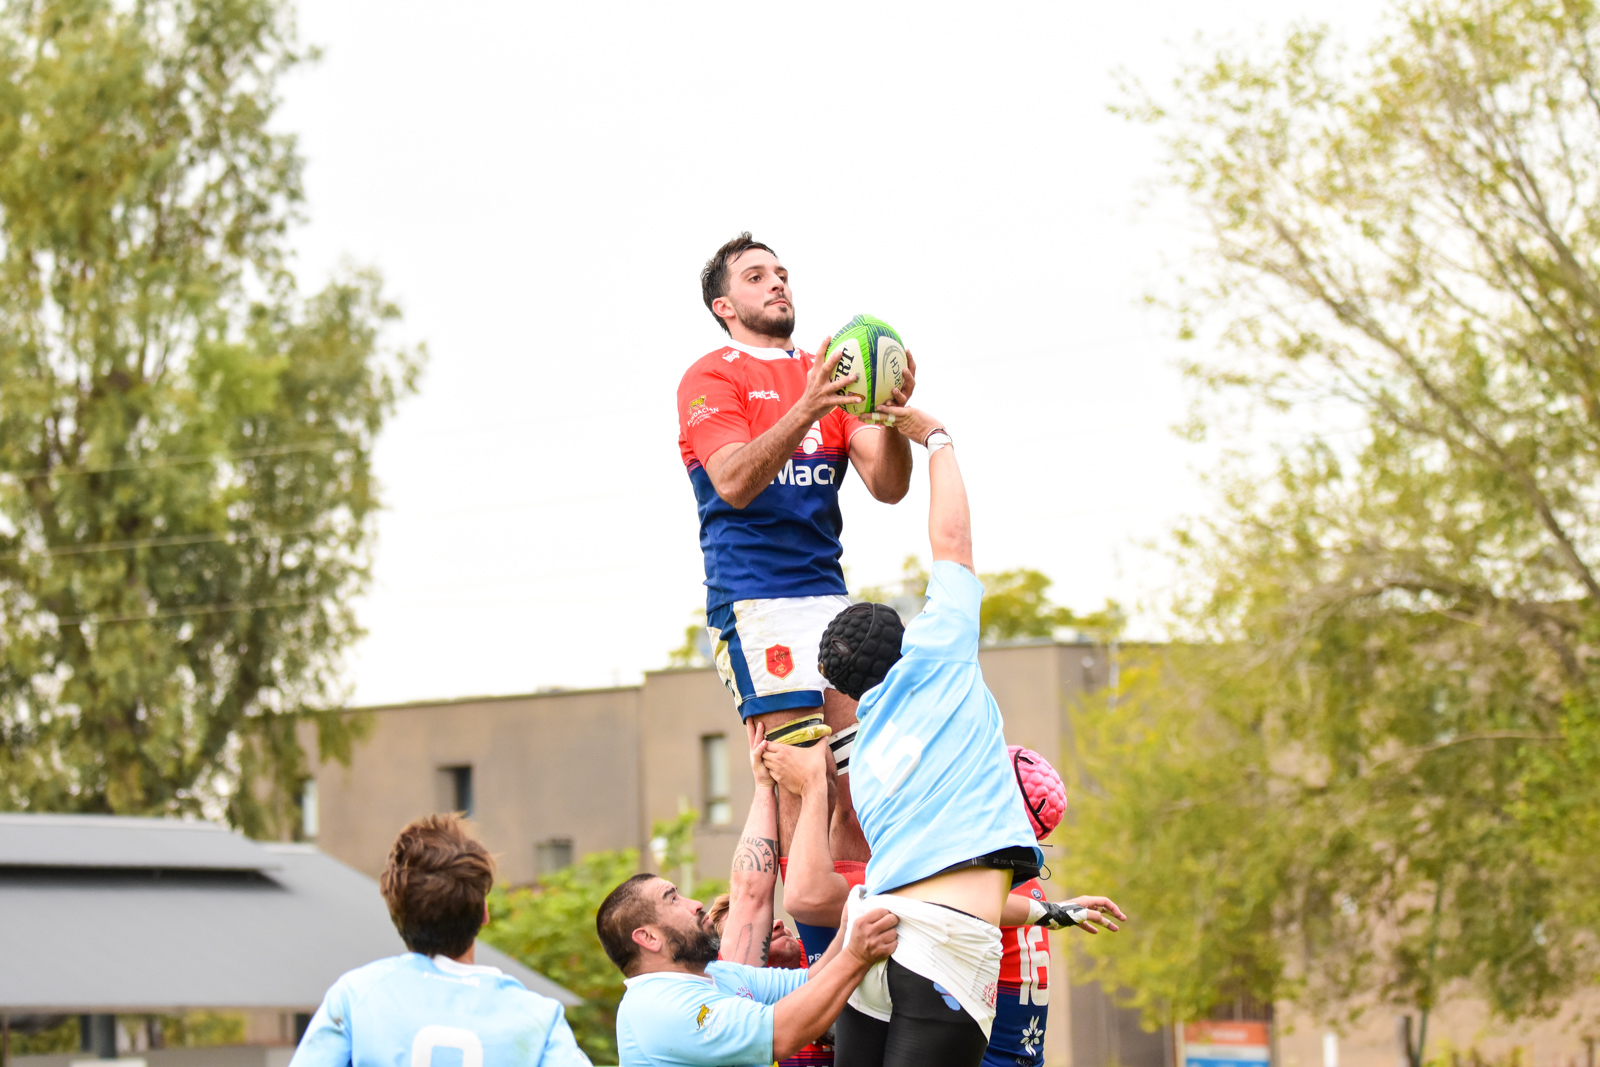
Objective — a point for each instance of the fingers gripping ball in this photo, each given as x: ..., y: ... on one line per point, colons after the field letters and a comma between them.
x: 872, y: 349
x: 859, y: 646
x: 1043, y: 792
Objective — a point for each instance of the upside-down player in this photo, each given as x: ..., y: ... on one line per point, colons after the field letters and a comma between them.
x: 766, y: 442
x: 936, y: 797
x: 399, y: 1010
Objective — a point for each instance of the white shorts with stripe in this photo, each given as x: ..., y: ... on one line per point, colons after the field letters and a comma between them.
x: 766, y: 650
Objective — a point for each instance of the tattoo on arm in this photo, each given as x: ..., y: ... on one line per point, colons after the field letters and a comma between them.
x: 756, y: 854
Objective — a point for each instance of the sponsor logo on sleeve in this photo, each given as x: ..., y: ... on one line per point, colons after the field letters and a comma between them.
x: 763, y: 394
x: 731, y: 356
x: 700, y: 414
x: 780, y: 661
x: 698, y: 401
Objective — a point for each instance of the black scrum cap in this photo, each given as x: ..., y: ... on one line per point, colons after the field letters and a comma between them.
x: 859, y: 646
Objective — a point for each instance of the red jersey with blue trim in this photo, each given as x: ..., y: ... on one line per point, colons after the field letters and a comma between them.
x: 785, y: 543
x: 1022, y: 1002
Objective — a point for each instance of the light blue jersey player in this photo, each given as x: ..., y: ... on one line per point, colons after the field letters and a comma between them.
x: 933, y: 782
x: 683, y: 1007
x: 433, y: 1006
x: 936, y: 796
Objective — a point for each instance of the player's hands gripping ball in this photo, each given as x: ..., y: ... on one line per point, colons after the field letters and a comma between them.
x: 870, y: 349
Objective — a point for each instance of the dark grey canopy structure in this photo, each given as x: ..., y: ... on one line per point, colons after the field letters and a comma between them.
x: 110, y: 914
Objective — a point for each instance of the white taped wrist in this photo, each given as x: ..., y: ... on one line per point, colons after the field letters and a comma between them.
x: 1036, y: 911
x: 840, y: 744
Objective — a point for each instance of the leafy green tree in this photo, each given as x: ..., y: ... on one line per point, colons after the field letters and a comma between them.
x: 550, y: 926
x: 1376, y: 766
x: 692, y: 652
x: 1016, y: 604
x: 186, y: 494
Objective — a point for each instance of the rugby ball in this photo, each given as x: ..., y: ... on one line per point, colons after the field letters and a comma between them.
x: 872, y: 349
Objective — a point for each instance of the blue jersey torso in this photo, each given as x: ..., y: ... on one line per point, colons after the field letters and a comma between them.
x: 785, y: 542
x: 929, y: 775
x: 412, y: 1011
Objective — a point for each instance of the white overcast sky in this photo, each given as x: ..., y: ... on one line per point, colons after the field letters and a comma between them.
x: 539, y: 184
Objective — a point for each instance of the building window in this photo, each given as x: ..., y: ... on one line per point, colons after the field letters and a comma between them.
x: 714, y: 773
x: 457, y: 783
x: 553, y: 855
x: 310, y: 818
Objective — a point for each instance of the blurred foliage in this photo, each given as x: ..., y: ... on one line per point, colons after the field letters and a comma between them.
x: 1016, y: 605
x: 692, y: 653
x: 202, y: 1029
x: 550, y: 927
x: 186, y: 494
x: 56, y: 1034
x: 1375, y: 764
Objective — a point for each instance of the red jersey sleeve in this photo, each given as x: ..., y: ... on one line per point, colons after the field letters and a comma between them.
x: 848, y: 424
x: 711, y: 410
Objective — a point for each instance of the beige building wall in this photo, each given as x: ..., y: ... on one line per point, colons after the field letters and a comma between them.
x: 545, y: 767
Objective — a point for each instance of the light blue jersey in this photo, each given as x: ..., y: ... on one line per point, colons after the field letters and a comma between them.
x: 929, y: 775
x: 724, y: 1019
x: 412, y: 1011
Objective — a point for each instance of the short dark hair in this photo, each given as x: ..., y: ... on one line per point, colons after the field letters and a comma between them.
x: 623, y: 911
x: 859, y: 646
x: 435, y: 883
x: 714, y: 275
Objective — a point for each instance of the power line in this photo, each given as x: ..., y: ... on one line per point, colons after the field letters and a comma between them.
x: 156, y: 542
x: 199, y: 609
x: 325, y: 444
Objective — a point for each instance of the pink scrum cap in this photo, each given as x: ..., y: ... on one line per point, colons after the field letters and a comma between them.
x: 1043, y: 792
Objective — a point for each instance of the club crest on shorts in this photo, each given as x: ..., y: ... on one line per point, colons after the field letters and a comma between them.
x: 780, y: 661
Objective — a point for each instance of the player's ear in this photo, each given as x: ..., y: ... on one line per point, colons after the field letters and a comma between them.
x: 722, y: 307
x: 647, y: 938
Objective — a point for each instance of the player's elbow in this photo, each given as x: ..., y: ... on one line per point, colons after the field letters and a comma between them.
x: 735, y: 496
x: 812, y: 906
x: 891, y: 491
x: 744, y: 885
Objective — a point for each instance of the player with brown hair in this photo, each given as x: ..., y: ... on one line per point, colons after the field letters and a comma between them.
x: 400, y: 1009
x: 766, y: 443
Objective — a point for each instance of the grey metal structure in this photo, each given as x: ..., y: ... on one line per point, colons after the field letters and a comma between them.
x: 111, y: 914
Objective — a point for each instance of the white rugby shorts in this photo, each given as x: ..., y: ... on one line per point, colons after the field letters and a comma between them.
x: 766, y: 650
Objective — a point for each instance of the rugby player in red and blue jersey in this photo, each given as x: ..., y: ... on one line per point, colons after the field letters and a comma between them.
x: 766, y: 442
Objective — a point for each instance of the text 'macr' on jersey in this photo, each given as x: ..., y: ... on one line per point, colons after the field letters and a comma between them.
x: 784, y: 543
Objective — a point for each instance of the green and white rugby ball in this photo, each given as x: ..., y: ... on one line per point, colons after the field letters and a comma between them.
x: 871, y: 348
